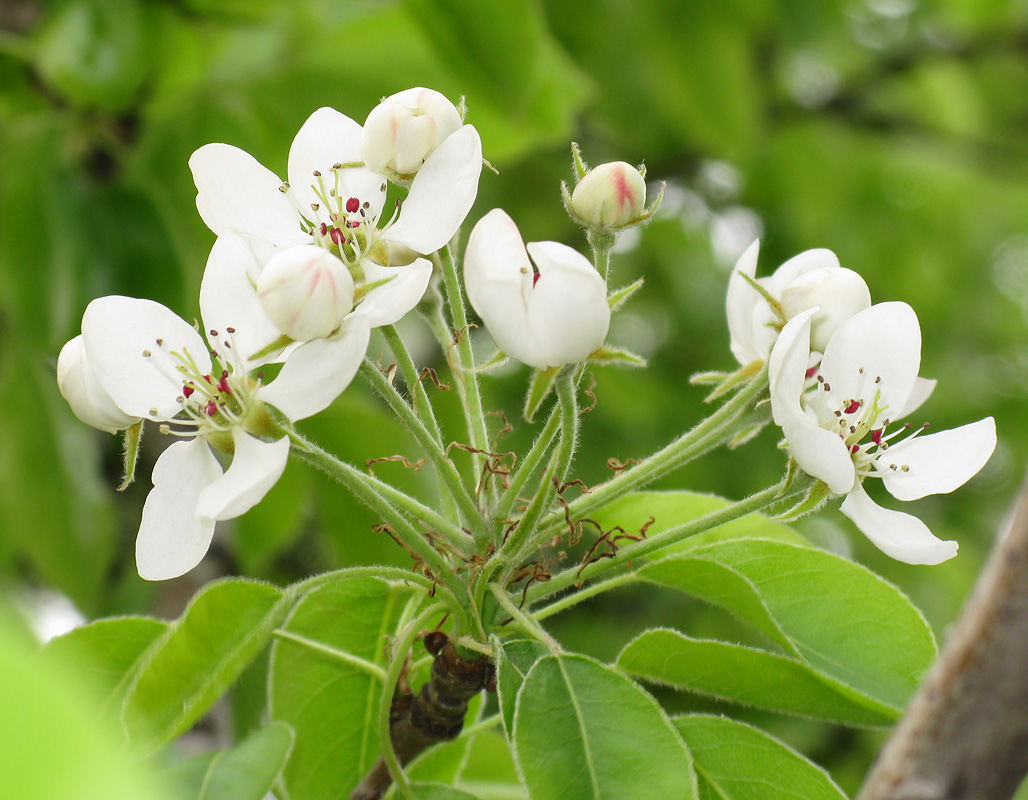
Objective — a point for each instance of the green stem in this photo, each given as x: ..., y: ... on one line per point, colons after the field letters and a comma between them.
x: 464, y: 370
x: 601, y: 244
x: 573, y: 599
x: 703, y: 437
x: 633, y: 550
x: 422, y: 407
x: 388, y: 502
x: 522, y: 620
x: 529, y: 465
x: 523, y: 534
x: 432, y: 447
x: 401, y: 648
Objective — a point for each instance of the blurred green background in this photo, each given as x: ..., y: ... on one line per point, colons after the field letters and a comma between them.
x: 890, y: 131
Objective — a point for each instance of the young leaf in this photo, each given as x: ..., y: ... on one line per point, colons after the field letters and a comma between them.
x: 325, y: 680
x: 837, y: 616
x: 108, y: 651
x: 750, y: 677
x: 515, y: 659
x: 735, y: 761
x: 246, y: 772
x: 583, y: 730
x: 225, y: 626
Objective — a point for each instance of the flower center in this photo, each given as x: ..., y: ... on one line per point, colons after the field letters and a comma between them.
x: 344, y: 225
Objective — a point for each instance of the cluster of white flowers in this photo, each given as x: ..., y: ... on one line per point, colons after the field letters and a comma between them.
x: 841, y: 372
x: 299, y: 274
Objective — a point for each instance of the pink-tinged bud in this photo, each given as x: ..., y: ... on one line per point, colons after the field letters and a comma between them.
x: 610, y: 196
x: 306, y: 291
x: 404, y: 129
x: 839, y: 292
x: 81, y: 388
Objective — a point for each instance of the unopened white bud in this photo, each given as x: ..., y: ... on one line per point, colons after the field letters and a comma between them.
x: 610, y: 196
x: 840, y: 293
x: 81, y: 388
x: 306, y: 291
x: 404, y: 129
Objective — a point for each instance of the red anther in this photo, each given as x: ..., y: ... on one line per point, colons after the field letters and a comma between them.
x: 810, y: 373
x: 535, y: 280
x: 855, y: 449
x: 212, y: 408
x: 353, y: 224
x: 187, y: 390
x: 337, y: 236
x: 353, y: 205
x: 223, y: 384
x: 324, y: 229
x: 853, y: 406
x: 876, y: 436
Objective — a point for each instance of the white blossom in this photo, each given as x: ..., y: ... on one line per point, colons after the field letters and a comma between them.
x: 545, y: 305
x: 836, y: 419
x: 405, y: 129
x: 812, y: 278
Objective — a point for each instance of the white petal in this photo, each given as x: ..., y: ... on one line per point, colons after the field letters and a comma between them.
x: 317, y: 372
x: 797, y: 265
x: 228, y: 299
x: 882, y: 342
x: 172, y: 539
x: 787, y: 367
x: 898, y: 535
x: 923, y: 388
x: 821, y: 453
x: 567, y: 310
x: 938, y: 463
x: 740, y: 306
x: 391, y: 301
x: 495, y: 254
x: 235, y: 193
x: 117, y: 331
x: 81, y: 388
x: 325, y: 139
x: 839, y: 292
x: 441, y: 195
x: 255, y: 467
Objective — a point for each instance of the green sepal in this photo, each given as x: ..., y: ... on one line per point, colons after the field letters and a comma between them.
x: 772, y: 301
x: 581, y: 168
x: 816, y: 496
x: 621, y: 296
x: 747, y: 433
x: 133, y: 436
x: 726, y: 381
x: 498, y: 359
x: 538, y: 390
x: 615, y: 356
x: 362, y: 291
x: 280, y: 343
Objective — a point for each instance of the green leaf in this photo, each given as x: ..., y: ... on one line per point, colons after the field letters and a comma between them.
x: 837, y: 616
x: 439, y: 791
x: 223, y: 629
x: 107, y: 651
x: 583, y: 730
x: 735, y: 761
x: 515, y: 658
x: 750, y: 677
x: 245, y: 772
x: 669, y: 509
x: 325, y: 677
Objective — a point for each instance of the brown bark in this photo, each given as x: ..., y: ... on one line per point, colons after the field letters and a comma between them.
x: 435, y: 714
x: 965, y: 734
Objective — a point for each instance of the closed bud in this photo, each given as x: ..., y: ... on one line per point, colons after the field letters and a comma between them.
x: 81, y: 388
x: 610, y: 197
x: 306, y: 291
x: 839, y: 292
x: 404, y: 130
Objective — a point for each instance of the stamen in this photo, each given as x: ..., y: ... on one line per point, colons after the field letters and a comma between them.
x: 853, y: 406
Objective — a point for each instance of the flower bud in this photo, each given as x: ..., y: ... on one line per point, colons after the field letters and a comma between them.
x: 306, y: 291
x: 404, y: 129
x: 840, y: 293
x: 609, y: 197
x: 81, y: 388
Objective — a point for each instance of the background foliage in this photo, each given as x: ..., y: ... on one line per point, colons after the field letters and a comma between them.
x: 891, y: 131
